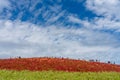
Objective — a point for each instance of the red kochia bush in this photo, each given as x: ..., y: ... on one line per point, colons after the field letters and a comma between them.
x: 59, y: 64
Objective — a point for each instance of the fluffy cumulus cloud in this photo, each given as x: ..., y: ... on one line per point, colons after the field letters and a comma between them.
x: 56, y: 34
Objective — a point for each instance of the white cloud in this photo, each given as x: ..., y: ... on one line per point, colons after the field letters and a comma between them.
x: 29, y: 40
x: 4, y: 4
x: 110, y: 12
x: 74, y: 19
x: 105, y: 8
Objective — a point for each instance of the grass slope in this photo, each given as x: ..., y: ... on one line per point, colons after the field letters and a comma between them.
x: 55, y: 75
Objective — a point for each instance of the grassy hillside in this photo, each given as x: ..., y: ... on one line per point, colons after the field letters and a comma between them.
x: 57, y: 64
x: 54, y: 75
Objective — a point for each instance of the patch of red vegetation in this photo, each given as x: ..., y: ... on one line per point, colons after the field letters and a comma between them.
x: 59, y: 64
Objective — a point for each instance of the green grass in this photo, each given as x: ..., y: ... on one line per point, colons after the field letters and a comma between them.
x: 55, y: 75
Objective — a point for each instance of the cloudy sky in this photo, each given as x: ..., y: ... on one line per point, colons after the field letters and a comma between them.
x: 85, y: 29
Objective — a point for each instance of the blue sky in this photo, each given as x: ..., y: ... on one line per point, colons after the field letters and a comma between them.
x: 85, y: 29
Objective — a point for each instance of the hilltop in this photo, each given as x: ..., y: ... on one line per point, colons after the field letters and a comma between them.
x: 56, y: 64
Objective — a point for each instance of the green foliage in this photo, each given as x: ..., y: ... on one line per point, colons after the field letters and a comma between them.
x: 57, y: 75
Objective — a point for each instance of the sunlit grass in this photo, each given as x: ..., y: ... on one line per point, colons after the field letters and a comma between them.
x: 55, y: 75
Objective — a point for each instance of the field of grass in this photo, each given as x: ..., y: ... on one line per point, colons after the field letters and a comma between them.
x: 55, y: 75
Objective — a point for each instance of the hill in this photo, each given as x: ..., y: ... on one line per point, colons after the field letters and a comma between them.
x: 56, y: 64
